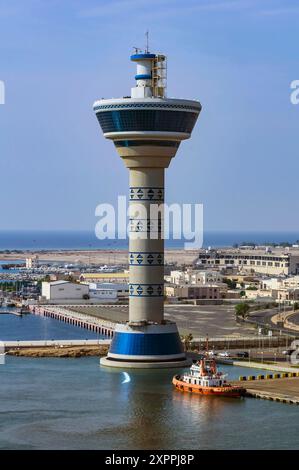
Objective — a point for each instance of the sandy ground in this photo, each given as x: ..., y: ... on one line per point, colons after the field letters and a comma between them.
x: 66, y: 351
x: 113, y: 257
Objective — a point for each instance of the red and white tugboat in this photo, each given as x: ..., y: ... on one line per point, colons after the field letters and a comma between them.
x: 204, y: 379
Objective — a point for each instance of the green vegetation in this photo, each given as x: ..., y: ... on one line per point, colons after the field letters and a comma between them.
x: 242, y: 310
x: 231, y: 284
x: 187, y: 340
x: 8, y: 286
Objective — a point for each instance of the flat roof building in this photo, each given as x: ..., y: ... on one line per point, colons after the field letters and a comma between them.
x: 275, y: 261
x: 192, y: 291
x: 194, y: 277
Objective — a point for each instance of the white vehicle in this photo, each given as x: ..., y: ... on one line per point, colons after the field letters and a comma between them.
x: 224, y: 354
x: 211, y: 353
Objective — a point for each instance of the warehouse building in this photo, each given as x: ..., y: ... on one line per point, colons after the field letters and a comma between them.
x: 64, y: 291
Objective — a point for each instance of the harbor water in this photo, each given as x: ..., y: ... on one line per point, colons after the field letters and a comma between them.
x: 55, y: 403
x: 74, y: 403
x: 31, y: 327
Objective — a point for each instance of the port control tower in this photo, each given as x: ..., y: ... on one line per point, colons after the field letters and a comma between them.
x: 146, y: 129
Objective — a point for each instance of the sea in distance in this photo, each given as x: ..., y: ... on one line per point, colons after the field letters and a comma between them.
x: 87, y: 240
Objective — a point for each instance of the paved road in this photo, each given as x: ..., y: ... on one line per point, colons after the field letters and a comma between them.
x: 294, y: 318
x: 263, y: 317
x: 212, y: 320
x: 200, y: 320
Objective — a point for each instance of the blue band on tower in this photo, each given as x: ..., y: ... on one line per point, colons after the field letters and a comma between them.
x: 140, y: 344
x: 142, y: 56
x: 145, y: 76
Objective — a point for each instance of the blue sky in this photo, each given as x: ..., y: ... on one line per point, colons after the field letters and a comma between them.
x: 237, y: 57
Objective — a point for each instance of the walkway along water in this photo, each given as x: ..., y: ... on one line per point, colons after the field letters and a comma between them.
x: 66, y: 315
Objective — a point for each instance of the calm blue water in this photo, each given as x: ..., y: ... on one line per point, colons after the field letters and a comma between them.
x: 47, y: 240
x: 53, y: 403
x: 32, y: 327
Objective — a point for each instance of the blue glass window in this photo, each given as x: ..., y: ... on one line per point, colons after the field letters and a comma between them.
x: 146, y: 120
x: 136, y: 143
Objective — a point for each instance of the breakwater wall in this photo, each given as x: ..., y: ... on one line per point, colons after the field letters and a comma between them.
x: 81, y: 320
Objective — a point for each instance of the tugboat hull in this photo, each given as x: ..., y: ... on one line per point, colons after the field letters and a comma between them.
x: 223, y: 391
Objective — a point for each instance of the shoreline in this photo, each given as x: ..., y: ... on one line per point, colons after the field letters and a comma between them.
x: 113, y: 256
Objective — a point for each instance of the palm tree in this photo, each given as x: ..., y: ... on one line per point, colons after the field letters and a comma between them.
x: 187, y: 339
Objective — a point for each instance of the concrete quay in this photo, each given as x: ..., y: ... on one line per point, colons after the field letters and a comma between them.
x: 283, y: 390
x: 262, y: 365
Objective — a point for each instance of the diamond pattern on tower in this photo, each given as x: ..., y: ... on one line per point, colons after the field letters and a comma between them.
x: 146, y: 290
x: 146, y: 259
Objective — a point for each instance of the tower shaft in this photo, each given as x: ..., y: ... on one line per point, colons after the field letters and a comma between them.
x: 146, y: 247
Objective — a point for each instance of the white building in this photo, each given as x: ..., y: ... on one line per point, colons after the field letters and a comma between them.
x: 32, y: 262
x: 194, y: 277
x: 108, y: 290
x: 103, y: 294
x: 64, y: 290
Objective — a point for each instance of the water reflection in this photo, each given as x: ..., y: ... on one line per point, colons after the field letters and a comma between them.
x: 158, y: 415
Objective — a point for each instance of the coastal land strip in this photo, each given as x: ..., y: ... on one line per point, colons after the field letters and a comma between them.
x: 113, y: 256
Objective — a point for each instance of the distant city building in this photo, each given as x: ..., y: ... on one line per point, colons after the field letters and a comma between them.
x: 281, y: 288
x: 104, y: 294
x: 275, y: 261
x: 119, y: 277
x: 283, y: 294
x: 32, y: 263
x: 258, y: 294
x: 192, y: 291
x: 108, y: 290
x: 194, y: 277
x: 291, y: 282
x: 64, y: 290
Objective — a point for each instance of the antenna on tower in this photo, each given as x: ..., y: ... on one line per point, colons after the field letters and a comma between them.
x: 146, y: 35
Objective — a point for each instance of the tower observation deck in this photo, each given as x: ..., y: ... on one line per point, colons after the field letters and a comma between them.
x: 146, y: 129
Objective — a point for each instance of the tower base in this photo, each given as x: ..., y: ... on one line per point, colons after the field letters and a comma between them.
x: 146, y: 346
